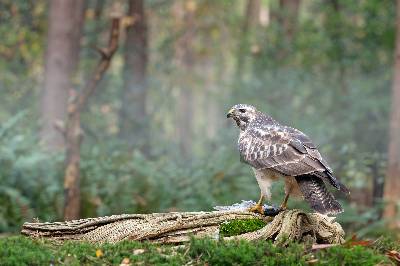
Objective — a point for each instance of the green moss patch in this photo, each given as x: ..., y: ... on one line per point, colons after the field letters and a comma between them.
x: 237, y: 227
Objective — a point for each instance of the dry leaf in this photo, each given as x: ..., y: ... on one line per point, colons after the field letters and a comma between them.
x: 99, y: 253
x: 125, y: 262
x: 322, y: 246
x: 138, y: 251
x: 313, y: 261
x: 394, y: 255
x: 356, y: 242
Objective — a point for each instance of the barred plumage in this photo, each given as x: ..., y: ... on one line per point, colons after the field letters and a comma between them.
x: 316, y: 194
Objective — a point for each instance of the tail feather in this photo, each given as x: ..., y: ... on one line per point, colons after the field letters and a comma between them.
x: 337, y: 184
x: 317, y: 195
x: 333, y: 181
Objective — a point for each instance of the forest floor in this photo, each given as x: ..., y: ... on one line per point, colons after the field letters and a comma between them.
x: 20, y: 250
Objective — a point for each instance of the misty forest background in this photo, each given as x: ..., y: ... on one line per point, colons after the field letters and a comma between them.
x: 155, y: 133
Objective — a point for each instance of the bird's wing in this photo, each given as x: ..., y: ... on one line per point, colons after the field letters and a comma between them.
x: 313, y: 153
x: 282, y: 149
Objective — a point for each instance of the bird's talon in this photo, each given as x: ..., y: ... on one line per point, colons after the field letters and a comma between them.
x: 257, y: 209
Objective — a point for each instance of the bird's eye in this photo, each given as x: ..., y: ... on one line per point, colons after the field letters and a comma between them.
x: 242, y: 110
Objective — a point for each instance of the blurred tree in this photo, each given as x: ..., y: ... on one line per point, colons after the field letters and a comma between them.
x: 392, y: 182
x: 62, y: 54
x: 289, y: 16
x: 133, y: 115
x: 99, y: 8
x: 73, y: 131
x: 334, y: 22
x: 184, y: 54
x: 250, y: 20
x: 288, y: 20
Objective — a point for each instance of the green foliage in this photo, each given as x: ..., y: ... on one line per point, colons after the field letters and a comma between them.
x: 24, y: 251
x: 114, y: 180
x: 356, y: 255
x: 237, y: 227
x: 30, y: 184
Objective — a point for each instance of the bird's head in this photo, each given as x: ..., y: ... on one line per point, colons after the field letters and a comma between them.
x: 243, y: 114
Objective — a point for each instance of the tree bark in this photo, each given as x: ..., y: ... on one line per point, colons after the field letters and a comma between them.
x: 185, y: 61
x: 392, y: 186
x: 65, y: 28
x: 73, y: 131
x: 133, y: 116
x: 180, y: 227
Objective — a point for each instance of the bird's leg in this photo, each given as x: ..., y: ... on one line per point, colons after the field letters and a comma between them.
x: 288, y: 190
x: 285, y: 200
x: 258, y: 207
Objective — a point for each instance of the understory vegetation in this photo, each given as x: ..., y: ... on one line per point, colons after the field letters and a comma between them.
x: 21, y: 250
x: 116, y: 180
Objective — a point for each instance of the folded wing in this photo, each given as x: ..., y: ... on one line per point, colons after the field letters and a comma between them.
x: 285, y: 150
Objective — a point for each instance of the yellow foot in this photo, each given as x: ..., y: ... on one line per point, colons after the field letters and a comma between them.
x: 257, y: 209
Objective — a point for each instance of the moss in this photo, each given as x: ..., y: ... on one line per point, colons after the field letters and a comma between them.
x: 246, y: 253
x: 24, y: 251
x: 357, y: 255
x: 385, y: 244
x: 237, y: 227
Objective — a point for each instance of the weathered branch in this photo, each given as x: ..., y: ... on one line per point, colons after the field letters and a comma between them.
x: 102, y: 66
x: 293, y: 225
x: 73, y: 131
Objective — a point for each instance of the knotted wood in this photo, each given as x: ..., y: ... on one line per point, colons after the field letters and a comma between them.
x: 178, y: 227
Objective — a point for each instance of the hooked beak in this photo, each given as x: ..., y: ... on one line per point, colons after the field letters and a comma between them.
x: 230, y: 113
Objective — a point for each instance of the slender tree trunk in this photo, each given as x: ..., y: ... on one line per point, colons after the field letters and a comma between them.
x: 98, y: 9
x: 287, y: 19
x: 392, y: 182
x: 73, y: 132
x: 336, y: 36
x: 65, y: 28
x: 250, y: 20
x: 377, y: 184
x: 185, y: 59
x: 133, y: 116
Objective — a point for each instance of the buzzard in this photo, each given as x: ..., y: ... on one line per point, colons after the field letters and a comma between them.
x: 276, y: 151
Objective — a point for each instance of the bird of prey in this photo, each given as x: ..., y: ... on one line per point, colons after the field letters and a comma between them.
x: 276, y: 151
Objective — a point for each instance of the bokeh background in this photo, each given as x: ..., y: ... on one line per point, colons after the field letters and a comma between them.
x: 156, y: 137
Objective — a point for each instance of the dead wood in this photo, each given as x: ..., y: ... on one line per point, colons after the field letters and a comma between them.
x: 178, y: 227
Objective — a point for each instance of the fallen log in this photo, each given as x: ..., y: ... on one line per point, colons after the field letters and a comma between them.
x: 179, y: 227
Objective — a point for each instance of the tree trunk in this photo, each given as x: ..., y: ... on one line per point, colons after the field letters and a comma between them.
x: 392, y: 186
x: 250, y: 20
x: 98, y: 9
x: 65, y: 28
x: 73, y: 131
x: 287, y: 19
x: 133, y: 117
x: 185, y: 60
